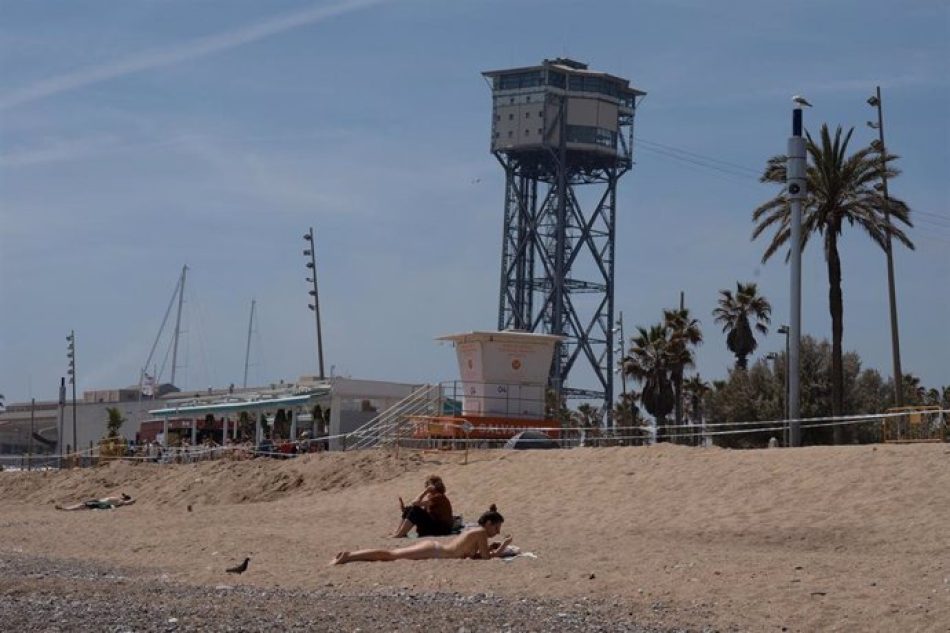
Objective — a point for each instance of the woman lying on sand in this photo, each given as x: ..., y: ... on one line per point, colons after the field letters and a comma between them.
x: 105, y: 503
x: 471, y: 544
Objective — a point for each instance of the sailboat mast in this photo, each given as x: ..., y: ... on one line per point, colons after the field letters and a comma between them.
x: 247, y: 353
x: 181, y: 297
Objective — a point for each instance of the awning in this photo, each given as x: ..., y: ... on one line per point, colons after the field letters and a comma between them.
x: 243, y: 405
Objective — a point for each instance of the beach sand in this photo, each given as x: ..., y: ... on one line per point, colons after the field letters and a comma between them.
x: 850, y: 538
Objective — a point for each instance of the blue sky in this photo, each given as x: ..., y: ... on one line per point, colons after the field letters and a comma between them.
x: 136, y: 137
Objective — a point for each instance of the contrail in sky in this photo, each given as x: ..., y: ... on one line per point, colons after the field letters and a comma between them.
x: 190, y: 50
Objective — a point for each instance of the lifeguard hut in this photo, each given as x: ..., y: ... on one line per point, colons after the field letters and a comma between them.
x: 501, y: 391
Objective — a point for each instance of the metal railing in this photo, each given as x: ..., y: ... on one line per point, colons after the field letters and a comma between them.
x: 386, y: 427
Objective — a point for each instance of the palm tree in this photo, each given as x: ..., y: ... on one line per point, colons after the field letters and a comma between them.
x: 648, y: 362
x: 734, y: 313
x: 684, y: 334
x: 587, y: 416
x: 626, y: 411
x: 842, y: 190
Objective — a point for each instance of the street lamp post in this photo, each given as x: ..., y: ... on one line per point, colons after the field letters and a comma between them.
x: 620, y: 351
x: 71, y: 356
x: 783, y: 329
x: 62, y: 407
x: 315, y: 306
x: 875, y: 102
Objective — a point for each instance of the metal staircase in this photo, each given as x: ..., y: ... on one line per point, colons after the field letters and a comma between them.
x: 387, y: 427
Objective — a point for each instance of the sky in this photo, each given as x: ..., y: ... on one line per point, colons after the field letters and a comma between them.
x: 137, y: 137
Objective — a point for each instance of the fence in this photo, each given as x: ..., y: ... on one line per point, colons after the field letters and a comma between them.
x: 877, y: 426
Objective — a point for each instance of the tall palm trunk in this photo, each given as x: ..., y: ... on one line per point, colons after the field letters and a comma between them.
x: 836, y: 307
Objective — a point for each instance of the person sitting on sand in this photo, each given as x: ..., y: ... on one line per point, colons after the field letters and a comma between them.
x: 430, y: 513
x: 105, y: 503
x: 470, y: 544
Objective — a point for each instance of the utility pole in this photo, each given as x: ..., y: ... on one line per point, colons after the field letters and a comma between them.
x: 315, y: 306
x: 875, y: 102
x: 796, y: 190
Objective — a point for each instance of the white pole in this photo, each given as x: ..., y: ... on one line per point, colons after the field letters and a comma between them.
x: 796, y: 190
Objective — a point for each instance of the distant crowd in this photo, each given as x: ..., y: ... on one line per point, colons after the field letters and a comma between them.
x: 182, y: 451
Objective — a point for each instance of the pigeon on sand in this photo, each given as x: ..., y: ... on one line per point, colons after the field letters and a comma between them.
x: 239, y: 569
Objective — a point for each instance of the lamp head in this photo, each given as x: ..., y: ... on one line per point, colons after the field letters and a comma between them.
x: 800, y: 100
x: 873, y: 101
x: 873, y: 125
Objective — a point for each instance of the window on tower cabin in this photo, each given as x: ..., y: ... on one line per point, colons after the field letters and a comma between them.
x: 527, y: 115
x: 511, y: 116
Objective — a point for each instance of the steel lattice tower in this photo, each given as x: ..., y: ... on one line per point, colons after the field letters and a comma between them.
x: 564, y: 136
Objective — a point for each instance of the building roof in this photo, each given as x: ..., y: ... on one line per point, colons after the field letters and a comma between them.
x: 506, y: 335
x: 569, y: 66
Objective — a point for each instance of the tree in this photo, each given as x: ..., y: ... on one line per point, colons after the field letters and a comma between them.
x: 555, y: 408
x: 734, y: 314
x: 587, y: 416
x: 685, y: 334
x: 648, y: 362
x: 114, y: 422
x: 697, y: 389
x: 842, y: 190
x: 626, y: 411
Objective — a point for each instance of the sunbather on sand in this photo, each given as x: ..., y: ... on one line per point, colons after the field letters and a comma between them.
x: 430, y: 513
x: 105, y: 503
x: 470, y: 544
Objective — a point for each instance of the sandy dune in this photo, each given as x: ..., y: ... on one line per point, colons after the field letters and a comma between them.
x: 852, y: 538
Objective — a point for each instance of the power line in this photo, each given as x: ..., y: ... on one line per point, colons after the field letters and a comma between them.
x: 735, y: 166
x: 745, y: 178
x: 735, y: 170
x: 940, y: 216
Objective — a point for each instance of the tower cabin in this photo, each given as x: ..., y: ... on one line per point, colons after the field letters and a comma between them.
x: 534, y: 106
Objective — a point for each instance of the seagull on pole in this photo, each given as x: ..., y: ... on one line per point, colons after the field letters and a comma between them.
x: 800, y: 100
